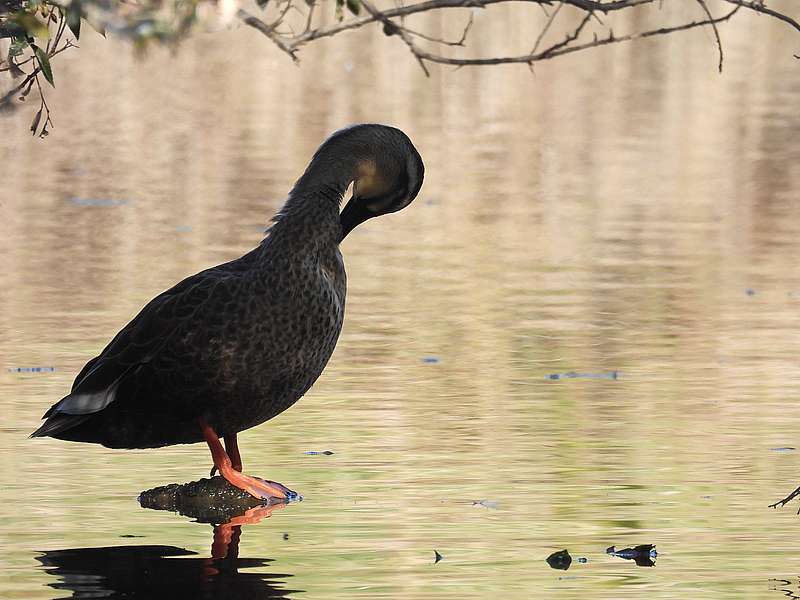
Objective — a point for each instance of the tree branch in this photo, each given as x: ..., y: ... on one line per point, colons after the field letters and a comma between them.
x: 564, y: 47
x: 269, y: 31
x: 704, y: 6
x: 396, y: 29
x: 758, y: 6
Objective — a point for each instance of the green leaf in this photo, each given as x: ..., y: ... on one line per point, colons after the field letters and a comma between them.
x: 354, y: 6
x: 74, y: 18
x: 44, y: 63
x: 35, y: 122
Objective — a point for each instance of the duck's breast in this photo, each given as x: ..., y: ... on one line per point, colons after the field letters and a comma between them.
x: 294, y: 333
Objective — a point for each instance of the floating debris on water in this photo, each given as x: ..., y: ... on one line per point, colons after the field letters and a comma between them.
x: 486, y: 503
x: 31, y: 369
x: 98, y: 201
x: 560, y: 560
x: 643, y: 554
x: 437, y: 557
x: 574, y: 375
x: 783, y: 449
x: 130, y: 535
x: 285, y: 536
x: 582, y: 559
x: 325, y: 452
x: 430, y: 360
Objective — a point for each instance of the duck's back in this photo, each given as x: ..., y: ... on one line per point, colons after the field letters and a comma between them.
x: 235, y: 344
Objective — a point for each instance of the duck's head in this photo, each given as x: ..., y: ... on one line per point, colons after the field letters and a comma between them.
x: 387, y: 177
x: 385, y: 169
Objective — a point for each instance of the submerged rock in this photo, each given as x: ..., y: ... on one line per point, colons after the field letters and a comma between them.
x: 211, y: 500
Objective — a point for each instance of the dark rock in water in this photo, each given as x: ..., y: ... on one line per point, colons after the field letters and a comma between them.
x: 643, y: 554
x: 560, y: 560
x: 437, y: 557
x: 208, y: 500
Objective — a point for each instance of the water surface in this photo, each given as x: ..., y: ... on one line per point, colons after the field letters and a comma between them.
x: 628, y: 211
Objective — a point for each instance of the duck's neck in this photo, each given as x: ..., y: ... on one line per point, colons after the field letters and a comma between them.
x: 328, y: 175
x: 311, y: 212
x: 309, y: 220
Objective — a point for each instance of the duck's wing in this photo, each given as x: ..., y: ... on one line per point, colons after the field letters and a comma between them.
x: 136, y: 345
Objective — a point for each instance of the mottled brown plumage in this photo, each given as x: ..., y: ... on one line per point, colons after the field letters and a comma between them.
x: 238, y: 343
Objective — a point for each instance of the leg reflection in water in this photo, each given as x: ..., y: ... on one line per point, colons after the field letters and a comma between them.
x: 161, y: 572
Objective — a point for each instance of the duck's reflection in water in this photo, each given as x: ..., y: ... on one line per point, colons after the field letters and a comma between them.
x: 155, y: 572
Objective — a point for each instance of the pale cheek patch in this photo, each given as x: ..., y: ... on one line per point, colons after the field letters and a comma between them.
x: 369, y: 183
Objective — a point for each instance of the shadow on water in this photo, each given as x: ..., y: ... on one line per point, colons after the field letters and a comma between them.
x: 153, y: 571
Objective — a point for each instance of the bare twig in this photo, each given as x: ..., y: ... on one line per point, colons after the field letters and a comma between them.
x: 311, y: 8
x: 404, y: 11
x: 399, y: 30
x: 269, y: 31
x: 565, y: 47
x: 459, y: 42
x: 758, y: 6
x: 704, y: 6
x: 550, y: 19
x: 785, y: 501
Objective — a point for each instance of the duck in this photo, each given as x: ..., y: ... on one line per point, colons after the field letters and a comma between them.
x: 234, y: 345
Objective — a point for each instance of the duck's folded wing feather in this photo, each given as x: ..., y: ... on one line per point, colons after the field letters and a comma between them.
x: 136, y: 345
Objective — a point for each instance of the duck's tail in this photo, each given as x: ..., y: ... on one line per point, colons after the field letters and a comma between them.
x: 58, y: 423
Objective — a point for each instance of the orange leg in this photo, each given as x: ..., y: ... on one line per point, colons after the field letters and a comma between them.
x: 232, y: 448
x: 254, y: 486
